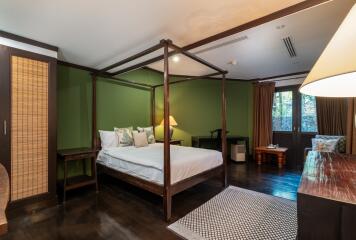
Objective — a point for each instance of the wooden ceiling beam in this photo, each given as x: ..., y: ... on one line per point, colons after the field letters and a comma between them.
x: 257, y: 22
x: 133, y: 57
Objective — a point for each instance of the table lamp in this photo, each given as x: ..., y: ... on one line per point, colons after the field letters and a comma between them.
x: 172, y: 123
x: 334, y: 73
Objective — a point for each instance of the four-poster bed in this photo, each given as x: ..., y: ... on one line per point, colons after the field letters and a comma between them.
x: 167, y: 189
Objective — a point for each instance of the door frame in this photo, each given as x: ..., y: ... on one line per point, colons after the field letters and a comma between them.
x: 6, y: 54
x: 297, y: 136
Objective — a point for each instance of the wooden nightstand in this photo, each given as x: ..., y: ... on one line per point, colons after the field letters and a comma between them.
x: 172, y: 141
x: 82, y: 180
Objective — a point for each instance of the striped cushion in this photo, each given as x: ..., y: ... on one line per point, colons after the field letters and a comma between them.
x: 341, y: 145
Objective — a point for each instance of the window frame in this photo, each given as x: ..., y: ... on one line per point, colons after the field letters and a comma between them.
x: 285, y: 89
x: 296, y: 112
x: 300, y: 120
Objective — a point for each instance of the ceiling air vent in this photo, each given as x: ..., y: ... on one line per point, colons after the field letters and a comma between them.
x: 290, y: 48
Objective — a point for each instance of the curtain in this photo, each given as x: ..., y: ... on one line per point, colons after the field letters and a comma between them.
x: 263, y: 94
x: 351, y: 130
x: 331, y: 115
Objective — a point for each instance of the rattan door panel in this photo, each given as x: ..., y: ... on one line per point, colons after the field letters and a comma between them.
x: 29, y: 127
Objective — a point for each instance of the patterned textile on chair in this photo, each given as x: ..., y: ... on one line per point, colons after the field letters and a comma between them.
x: 341, y: 145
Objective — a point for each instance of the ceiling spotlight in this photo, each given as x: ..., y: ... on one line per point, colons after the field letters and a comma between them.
x: 232, y: 62
x: 279, y: 27
x: 175, y: 58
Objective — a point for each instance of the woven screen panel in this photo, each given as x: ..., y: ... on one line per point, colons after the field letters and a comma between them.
x: 29, y: 127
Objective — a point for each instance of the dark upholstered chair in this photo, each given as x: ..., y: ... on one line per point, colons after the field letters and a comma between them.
x: 341, y: 145
x: 4, y: 198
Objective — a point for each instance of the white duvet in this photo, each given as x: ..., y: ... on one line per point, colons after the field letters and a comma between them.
x: 147, y: 162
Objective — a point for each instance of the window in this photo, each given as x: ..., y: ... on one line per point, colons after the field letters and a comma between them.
x: 308, y: 114
x: 282, y: 111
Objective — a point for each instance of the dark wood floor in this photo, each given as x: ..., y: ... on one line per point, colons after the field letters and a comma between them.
x: 121, y: 211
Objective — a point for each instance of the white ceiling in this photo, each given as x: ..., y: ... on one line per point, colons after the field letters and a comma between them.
x: 98, y: 33
x: 260, y: 52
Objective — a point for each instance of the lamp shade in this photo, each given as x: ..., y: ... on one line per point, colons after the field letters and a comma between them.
x: 172, y: 121
x: 334, y: 74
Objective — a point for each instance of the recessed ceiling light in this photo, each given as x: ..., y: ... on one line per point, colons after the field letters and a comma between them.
x: 176, y: 58
x: 232, y: 62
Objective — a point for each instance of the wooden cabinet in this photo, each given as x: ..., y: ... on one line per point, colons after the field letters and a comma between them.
x: 172, y: 141
x: 326, y: 199
x: 28, y: 133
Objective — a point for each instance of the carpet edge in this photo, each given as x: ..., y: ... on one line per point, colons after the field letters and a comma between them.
x: 184, y: 232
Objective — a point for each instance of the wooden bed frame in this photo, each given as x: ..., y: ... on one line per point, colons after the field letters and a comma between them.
x: 167, y: 190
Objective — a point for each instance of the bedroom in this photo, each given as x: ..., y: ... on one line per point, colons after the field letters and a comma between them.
x: 251, y: 48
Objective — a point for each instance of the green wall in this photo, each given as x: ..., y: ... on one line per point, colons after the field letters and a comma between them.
x: 117, y: 106
x: 196, y: 105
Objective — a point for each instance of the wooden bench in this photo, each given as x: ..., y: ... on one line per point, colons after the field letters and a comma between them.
x: 4, y: 198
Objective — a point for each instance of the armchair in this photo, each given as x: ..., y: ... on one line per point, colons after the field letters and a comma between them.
x: 4, y: 198
x: 341, y: 145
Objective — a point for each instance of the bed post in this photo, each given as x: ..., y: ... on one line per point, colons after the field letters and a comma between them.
x: 167, y: 198
x: 153, y: 109
x: 223, y: 134
x: 94, y: 134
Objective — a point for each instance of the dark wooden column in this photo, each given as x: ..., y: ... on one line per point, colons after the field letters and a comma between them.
x: 153, y: 109
x: 167, y: 155
x: 223, y: 126
x: 94, y: 132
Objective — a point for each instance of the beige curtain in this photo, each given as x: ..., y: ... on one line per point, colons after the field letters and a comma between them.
x: 331, y: 115
x: 351, y: 130
x: 262, y: 113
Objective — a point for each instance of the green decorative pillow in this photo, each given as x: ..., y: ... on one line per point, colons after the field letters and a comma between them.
x: 125, y: 136
x: 149, y: 132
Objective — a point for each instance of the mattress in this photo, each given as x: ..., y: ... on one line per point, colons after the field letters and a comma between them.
x: 147, y: 162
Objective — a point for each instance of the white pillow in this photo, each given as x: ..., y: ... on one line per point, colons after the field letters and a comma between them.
x: 108, y: 139
x: 323, y: 145
x: 140, y: 139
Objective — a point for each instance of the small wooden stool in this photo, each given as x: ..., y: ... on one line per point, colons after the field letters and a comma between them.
x: 279, y: 152
x: 4, y: 198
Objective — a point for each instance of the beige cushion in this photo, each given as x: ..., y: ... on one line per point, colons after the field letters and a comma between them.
x: 140, y: 139
x: 149, y: 132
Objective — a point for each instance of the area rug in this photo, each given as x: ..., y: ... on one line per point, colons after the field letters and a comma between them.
x: 238, y: 213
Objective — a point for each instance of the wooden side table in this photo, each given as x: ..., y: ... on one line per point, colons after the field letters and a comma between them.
x: 82, y: 180
x: 172, y: 141
x: 279, y: 152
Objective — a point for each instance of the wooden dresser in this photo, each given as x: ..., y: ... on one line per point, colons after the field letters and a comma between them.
x: 327, y: 197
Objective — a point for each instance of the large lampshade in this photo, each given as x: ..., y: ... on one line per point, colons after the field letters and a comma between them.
x: 172, y: 121
x: 334, y: 74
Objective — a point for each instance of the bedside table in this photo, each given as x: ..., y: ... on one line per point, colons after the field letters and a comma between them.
x: 172, y: 141
x: 81, y: 154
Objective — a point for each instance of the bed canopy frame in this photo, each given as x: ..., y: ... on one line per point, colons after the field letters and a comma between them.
x: 167, y: 190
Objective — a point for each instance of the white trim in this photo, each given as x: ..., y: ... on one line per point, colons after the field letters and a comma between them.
x: 28, y: 47
x: 288, y: 81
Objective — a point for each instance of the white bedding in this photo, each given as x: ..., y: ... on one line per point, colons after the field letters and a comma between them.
x: 147, y: 162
